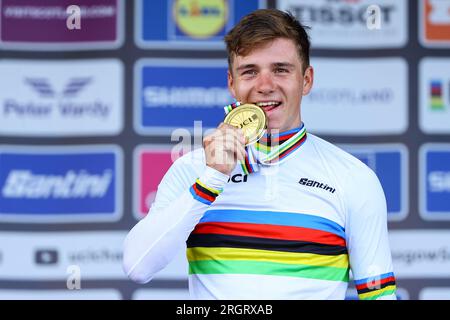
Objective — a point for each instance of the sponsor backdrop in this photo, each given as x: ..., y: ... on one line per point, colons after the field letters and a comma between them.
x: 91, y: 108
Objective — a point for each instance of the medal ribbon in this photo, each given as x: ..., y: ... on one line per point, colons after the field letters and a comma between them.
x: 266, y: 154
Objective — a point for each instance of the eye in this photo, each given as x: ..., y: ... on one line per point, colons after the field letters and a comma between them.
x: 281, y: 70
x: 249, y: 72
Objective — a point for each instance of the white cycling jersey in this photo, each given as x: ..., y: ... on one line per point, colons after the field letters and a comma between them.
x: 288, y: 231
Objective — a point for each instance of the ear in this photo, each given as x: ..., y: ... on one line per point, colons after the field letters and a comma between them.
x: 231, y: 83
x: 308, y: 80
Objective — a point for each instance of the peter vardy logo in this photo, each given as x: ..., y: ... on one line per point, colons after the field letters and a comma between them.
x: 435, y: 181
x: 63, y: 101
x: 61, y: 97
x: 60, y: 184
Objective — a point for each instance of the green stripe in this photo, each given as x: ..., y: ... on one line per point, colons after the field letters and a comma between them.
x: 385, y: 293
x: 284, y: 146
x: 244, y: 168
x: 267, y: 268
x: 262, y: 148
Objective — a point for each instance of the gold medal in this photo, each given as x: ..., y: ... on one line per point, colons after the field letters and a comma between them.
x: 251, y: 119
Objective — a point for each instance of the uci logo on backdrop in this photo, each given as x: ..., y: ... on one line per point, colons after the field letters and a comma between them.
x: 200, y: 18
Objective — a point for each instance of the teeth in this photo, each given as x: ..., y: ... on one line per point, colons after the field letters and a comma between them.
x: 265, y: 104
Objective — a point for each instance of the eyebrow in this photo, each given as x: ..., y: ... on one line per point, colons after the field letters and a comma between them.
x: 276, y: 64
x: 246, y: 66
x: 284, y: 64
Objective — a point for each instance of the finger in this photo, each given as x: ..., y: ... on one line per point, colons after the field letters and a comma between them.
x: 233, y: 145
x: 238, y: 133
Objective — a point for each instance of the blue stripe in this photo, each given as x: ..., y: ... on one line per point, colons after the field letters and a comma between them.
x: 377, y: 277
x: 198, y: 198
x: 274, y: 218
x: 285, y: 133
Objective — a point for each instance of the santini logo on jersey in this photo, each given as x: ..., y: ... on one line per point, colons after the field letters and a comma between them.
x: 311, y: 183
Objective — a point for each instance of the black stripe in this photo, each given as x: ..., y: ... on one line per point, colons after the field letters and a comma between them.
x: 384, y: 285
x: 209, y: 193
x: 293, y: 146
x: 229, y: 241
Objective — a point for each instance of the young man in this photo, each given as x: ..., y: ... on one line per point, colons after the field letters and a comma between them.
x: 291, y: 230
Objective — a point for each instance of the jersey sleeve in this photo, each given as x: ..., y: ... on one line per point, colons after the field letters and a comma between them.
x: 367, y: 237
x: 183, y: 195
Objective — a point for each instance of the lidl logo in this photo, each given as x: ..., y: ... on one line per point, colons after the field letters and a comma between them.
x: 435, y: 17
x: 60, y: 184
x: 200, y: 18
x: 435, y: 181
x: 188, y: 24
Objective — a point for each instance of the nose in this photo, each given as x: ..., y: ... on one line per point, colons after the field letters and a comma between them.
x: 265, y: 84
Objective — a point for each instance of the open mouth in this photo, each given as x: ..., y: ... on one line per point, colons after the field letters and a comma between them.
x: 268, y: 105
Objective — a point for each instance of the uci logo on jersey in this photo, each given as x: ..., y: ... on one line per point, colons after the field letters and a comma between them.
x: 60, y: 184
x: 237, y: 178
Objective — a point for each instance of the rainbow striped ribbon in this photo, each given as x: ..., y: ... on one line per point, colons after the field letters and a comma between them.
x: 274, y: 155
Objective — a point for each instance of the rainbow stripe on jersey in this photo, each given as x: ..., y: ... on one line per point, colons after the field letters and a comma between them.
x: 203, y: 193
x: 268, y: 243
x: 374, y: 287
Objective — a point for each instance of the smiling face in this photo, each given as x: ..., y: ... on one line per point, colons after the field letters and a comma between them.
x: 271, y: 76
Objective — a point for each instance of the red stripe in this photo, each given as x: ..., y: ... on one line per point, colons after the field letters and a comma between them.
x: 292, y: 148
x: 247, y: 164
x: 269, y: 231
x: 202, y: 194
x: 436, y: 91
x: 278, y: 140
x: 374, y: 284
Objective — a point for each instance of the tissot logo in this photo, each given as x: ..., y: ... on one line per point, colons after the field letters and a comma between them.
x: 316, y: 184
x: 238, y: 178
x: 352, y: 23
x: 46, y: 256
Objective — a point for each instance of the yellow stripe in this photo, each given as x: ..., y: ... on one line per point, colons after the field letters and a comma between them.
x: 262, y: 147
x: 212, y: 253
x: 379, y: 292
x: 208, y: 188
